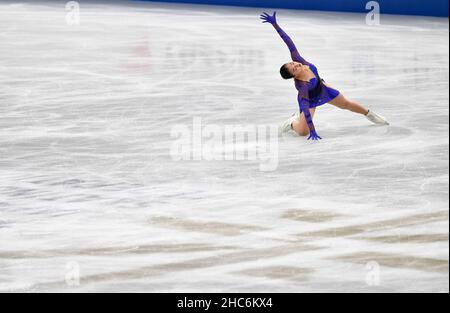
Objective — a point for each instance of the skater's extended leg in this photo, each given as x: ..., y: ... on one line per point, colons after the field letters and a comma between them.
x: 345, y: 104
x: 300, y: 126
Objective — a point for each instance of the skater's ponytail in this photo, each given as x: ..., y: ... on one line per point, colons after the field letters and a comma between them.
x: 284, y: 72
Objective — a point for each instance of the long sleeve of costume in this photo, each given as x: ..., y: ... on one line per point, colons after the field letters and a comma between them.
x: 295, y: 55
x: 303, y: 102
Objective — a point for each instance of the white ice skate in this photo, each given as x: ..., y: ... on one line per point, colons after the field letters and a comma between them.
x: 287, y: 125
x: 376, y: 119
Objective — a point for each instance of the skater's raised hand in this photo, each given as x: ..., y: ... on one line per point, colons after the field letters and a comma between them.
x: 268, y: 18
x: 272, y: 19
x: 313, y: 135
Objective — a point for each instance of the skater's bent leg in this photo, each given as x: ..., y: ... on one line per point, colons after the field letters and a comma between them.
x: 345, y: 104
x: 300, y: 126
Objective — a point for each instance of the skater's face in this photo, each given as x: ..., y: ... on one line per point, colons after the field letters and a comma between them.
x: 295, y: 68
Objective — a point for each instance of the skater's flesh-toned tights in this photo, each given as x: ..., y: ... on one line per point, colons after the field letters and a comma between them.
x: 300, y: 126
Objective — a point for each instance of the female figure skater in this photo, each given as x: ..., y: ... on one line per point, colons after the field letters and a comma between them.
x: 312, y: 90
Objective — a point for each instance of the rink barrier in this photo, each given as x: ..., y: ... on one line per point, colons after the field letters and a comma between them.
x: 403, y: 7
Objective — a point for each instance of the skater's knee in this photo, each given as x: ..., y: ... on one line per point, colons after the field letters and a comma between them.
x: 345, y: 105
x: 303, y: 130
x: 300, y: 127
x: 303, y: 133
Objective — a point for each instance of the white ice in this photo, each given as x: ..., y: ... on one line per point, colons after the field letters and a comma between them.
x: 88, y: 184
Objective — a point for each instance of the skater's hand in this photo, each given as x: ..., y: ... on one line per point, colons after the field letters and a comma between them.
x: 269, y: 19
x: 313, y: 135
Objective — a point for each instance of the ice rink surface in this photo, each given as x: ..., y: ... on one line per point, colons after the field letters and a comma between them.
x: 88, y: 184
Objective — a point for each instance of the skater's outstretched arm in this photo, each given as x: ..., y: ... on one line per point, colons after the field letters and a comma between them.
x: 295, y: 55
x: 303, y: 103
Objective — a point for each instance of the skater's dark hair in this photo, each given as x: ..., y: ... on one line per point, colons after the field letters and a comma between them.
x: 284, y: 72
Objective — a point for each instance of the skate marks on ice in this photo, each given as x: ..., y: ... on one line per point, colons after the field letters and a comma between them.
x: 115, y: 251
x: 397, y: 133
x: 242, y: 255
x: 401, y: 261
x: 397, y: 261
x: 390, y: 224
x: 150, y: 272
x: 310, y: 216
x: 295, y: 274
x: 413, y: 238
x: 217, y: 228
